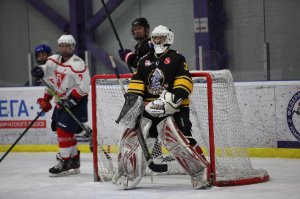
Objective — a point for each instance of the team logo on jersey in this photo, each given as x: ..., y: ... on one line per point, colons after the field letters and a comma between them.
x: 293, y: 115
x: 167, y: 60
x: 156, y: 82
x: 147, y: 62
x: 59, y: 78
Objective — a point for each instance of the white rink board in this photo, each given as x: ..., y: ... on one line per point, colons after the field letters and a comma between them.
x: 263, y: 104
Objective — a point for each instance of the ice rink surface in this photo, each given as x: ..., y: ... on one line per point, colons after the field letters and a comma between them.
x: 25, y: 176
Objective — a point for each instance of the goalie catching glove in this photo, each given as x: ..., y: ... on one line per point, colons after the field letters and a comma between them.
x: 166, y: 104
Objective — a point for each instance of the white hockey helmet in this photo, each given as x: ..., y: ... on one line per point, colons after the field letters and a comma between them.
x: 165, y: 32
x: 67, y: 39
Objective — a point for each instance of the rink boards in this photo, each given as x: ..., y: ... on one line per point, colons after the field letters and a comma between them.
x: 272, y: 127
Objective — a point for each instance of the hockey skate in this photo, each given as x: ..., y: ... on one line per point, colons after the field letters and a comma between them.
x: 65, y: 167
x: 75, y: 162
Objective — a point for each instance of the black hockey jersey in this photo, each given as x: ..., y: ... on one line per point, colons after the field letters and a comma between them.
x: 140, y: 51
x: 168, y: 72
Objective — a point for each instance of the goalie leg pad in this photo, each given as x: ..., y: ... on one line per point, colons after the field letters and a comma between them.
x: 145, y: 125
x: 192, y: 162
x: 131, y: 161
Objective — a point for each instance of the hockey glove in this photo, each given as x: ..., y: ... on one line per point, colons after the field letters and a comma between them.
x: 44, y: 103
x: 70, y: 102
x: 132, y: 109
x: 126, y: 55
x: 37, y: 72
x: 166, y: 104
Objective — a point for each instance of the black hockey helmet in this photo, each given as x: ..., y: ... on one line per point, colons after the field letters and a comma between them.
x: 140, y: 22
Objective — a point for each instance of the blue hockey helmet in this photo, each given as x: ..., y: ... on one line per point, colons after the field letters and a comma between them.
x: 43, y: 48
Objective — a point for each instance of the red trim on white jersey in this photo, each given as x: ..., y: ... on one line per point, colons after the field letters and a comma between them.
x: 69, y: 66
x: 78, y: 93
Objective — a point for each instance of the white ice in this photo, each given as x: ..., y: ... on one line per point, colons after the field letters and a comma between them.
x: 25, y: 176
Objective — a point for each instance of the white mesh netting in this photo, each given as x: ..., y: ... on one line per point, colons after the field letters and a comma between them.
x: 232, y: 164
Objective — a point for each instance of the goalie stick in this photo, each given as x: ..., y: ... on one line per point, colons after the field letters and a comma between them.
x: 154, y: 167
x: 29, y: 126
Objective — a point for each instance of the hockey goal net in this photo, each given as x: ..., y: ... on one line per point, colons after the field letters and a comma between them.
x: 217, y: 127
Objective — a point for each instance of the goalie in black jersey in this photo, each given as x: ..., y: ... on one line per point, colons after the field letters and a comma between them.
x: 160, y: 87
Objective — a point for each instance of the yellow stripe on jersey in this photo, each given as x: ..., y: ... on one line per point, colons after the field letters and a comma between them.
x: 149, y: 99
x: 136, y: 86
x: 184, y: 82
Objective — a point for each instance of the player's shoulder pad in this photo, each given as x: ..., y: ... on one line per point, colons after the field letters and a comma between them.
x: 176, y: 54
x: 77, y: 63
x: 54, y: 57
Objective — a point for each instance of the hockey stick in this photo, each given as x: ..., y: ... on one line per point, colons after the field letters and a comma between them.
x: 154, y: 167
x: 65, y: 108
x: 71, y: 114
x: 114, y: 29
x: 12, y: 146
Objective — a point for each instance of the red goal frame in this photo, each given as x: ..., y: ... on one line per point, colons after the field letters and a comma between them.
x: 209, y: 80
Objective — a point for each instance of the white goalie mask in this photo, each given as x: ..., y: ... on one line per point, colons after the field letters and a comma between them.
x: 67, y: 39
x: 162, y: 37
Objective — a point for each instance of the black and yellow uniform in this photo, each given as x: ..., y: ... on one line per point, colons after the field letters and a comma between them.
x: 167, y: 71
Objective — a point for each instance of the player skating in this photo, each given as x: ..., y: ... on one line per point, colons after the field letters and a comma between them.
x: 69, y: 78
x: 162, y: 82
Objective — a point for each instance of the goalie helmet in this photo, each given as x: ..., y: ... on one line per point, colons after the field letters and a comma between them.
x: 162, y: 37
x: 67, y: 39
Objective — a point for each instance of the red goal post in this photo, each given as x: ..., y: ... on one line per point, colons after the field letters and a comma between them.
x: 214, y: 113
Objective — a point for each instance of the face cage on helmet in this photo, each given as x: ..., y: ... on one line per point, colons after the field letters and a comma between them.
x: 164, y: 40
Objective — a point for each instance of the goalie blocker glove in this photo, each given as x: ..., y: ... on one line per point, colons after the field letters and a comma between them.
x: 132, y: 109
x: 166, y: 104
x: 37, y: 72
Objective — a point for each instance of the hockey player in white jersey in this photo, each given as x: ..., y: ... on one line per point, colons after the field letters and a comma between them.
x: 69, y: 78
